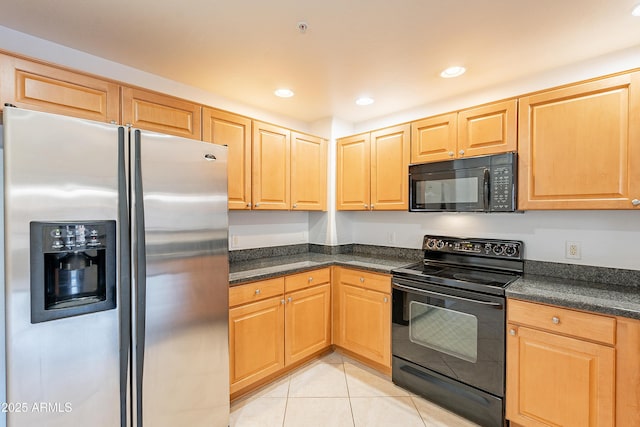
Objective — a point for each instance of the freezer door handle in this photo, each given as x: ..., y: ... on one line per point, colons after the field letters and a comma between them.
x: 124, y: 274
x: 141, y: 274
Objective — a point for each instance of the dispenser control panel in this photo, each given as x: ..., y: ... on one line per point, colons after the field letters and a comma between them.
x: 71, y: 236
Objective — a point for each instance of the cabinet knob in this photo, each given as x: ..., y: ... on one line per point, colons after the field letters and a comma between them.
x: 113, y: 122
x: 282, y: 301
x: 362, y: 280
x: 386, y: 299
x: 555, y: 320
x: 248, y: 205
x: 450, y: 153
x: 366, y: 206
x: 461, y: 152
x: 635, y: 202
x: 256, y: 205
x: 295, y: 205
x: 310, y: 279
x: 257, y: 291
x: 128, y: 125
x: 512, y: 331
x: 289, y: 299
x: 372, y: 206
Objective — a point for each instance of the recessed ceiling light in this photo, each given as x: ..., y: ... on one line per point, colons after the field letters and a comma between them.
x: 453, y: 72
x: 284, y: 93
x: 636, y: 10
x: 365, y: 100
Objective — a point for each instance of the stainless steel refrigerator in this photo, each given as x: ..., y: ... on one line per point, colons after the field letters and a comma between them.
x: 115, y: 275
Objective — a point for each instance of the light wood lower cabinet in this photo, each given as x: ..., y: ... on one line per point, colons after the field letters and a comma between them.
x: 277, y: 323
x: 561, y: 366
x: 256, y: 341
x: 362, y: 314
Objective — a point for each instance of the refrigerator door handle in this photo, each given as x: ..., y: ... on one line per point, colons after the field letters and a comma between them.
x: 124, y: 274
x: 141, y: 274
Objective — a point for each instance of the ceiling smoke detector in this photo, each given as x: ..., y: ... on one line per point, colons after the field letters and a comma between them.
x: 302, y: 27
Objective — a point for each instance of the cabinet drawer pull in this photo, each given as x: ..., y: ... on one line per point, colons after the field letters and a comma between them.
x: 635, y: 202
x: 450, y: 153
x: 461, y: 152
x: 282, y: 301
x: 310, y: 279
x: 289, y: 299
x: 512, y: 331
x: 362, y: 280
x: 257, y: 291
x: 555, y: 320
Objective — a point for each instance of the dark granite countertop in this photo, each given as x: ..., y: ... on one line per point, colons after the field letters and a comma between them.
x: 268, y: 267
x: 598, y: 297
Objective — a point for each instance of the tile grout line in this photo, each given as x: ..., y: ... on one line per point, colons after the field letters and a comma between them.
x: 344, y: 371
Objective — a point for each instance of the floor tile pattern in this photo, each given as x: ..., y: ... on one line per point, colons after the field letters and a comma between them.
x: 336, y: 391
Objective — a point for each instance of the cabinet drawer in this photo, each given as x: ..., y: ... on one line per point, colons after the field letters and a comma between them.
x: 255, y: 291
x: 298, y: 281
x: 592, y: 327
x: 376, y: 282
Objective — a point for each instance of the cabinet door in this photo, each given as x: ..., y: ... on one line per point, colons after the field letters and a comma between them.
x: 390, y: 168
x: 362, y: 318
x: 233, y: 131
x: 560, y: 381
x: 308, y: 172
x: 271, y: 167
x: 434, y: 138
x: 256, y: 341
x: 579, y: 146
x: 489, y: 129
x: 40, y: 87
x: 308, y: 322
x: 161, y: 113
x: 353, y: 168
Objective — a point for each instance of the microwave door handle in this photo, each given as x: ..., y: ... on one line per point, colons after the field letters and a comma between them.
x: 487, y: 198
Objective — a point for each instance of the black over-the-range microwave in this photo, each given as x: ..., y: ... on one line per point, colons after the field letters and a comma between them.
x: 472, y: 184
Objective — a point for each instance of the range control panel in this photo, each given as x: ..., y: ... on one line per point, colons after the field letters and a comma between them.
x: 484, y: 247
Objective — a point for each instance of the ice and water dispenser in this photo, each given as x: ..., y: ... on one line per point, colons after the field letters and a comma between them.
x: 73, y: 268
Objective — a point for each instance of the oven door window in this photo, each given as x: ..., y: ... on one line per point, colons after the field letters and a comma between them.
x: 447, y: 331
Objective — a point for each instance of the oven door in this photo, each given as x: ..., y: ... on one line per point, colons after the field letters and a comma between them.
x: 456, y: 333
x: 455, y: 190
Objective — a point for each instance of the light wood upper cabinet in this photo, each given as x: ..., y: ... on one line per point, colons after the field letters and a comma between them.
x: 390, y: 168
x: 40, y: 87
x: 353, y: 168
x: 161, y: 113
x: 434, y: 138
x: 234, y: 131
x: 555, y: 377
x: 488, y: 129
x: 372, y: 170
x: 362, y: 314
x: 579, y: 146
x: 308, y: 172
x: 271, y: 167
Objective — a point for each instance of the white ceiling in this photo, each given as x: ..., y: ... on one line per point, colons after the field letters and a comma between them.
x: 390, y: 50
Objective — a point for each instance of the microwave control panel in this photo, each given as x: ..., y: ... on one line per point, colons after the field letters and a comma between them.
x: 503, y: 194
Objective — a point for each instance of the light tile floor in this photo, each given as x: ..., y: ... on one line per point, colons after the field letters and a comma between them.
x: 337, y: 391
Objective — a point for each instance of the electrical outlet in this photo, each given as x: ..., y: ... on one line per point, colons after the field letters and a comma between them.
x: 572, y: 250
x: 234, y: 241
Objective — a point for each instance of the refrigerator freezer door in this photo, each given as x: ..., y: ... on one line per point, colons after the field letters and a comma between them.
x: 181, y: 337
x: 63, y: 372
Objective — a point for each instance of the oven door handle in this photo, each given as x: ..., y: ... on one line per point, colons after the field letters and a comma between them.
x: 486, y: 189
x: 422, y: 291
